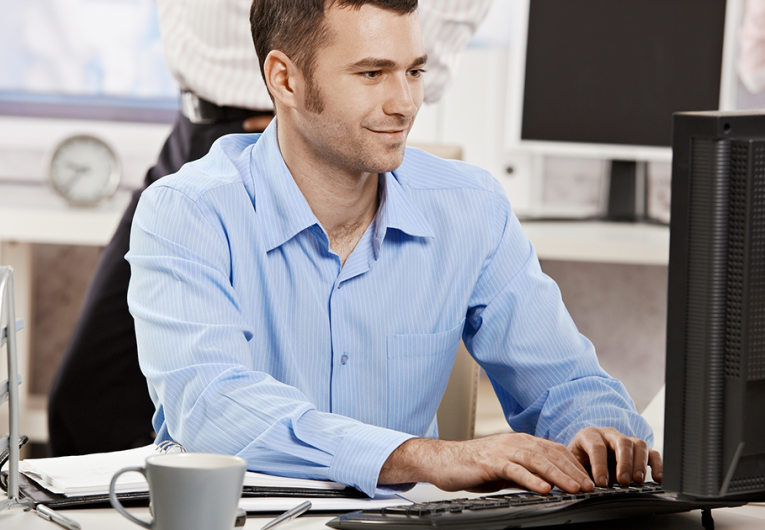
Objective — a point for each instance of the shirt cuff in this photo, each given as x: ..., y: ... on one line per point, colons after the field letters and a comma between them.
x: 361, y: 455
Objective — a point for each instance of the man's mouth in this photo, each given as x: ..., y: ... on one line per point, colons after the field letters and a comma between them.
x: 393, y: 133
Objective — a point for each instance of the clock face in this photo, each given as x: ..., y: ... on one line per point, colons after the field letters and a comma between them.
x: 84, y: 170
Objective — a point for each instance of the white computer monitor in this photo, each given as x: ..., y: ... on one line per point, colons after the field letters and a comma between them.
x: 600, y: 79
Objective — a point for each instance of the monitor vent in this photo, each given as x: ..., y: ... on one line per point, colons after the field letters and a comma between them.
x: 756, y: 292
x: 736, y: 259
x: 741, y: 485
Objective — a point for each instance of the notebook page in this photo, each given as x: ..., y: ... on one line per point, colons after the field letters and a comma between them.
x: 88, y: 474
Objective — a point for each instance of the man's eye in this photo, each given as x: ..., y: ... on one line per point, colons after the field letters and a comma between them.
x: 371, y: 75
x: 417, y: 72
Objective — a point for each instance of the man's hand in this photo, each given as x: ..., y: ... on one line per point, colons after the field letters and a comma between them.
x: 505, y: 460
x: 596, y: 448
x: 487, y: 464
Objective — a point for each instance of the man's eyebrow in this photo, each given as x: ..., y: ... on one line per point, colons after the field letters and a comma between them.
x: 420, y: 61
x: 372, y: 63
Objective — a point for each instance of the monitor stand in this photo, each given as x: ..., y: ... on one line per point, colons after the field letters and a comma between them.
x: 627, y: 197
x: 627, y: 192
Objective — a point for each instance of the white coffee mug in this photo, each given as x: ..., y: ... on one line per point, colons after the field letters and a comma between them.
x: 189, y: 491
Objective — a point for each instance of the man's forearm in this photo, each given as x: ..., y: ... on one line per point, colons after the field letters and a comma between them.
x: 450, y: 465
x: 410, y: 462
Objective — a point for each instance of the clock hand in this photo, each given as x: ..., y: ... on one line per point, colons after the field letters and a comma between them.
x: 76, y: 167
x: 78, y: 174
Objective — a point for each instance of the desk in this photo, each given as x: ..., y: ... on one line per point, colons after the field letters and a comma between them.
x: 743, y: 518
x: 599, y: 242
x: 748, y: 517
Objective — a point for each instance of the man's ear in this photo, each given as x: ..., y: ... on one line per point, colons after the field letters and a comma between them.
x: 283, y: 78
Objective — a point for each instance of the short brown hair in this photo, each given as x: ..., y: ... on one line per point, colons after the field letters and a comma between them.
x: 296, y: 27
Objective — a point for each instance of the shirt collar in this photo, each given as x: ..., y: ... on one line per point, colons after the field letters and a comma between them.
x: 284, y: 211
x: 281, y: 206
x: 399, y: 212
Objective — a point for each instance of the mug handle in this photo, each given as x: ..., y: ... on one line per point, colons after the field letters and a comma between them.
x: 116, y: 503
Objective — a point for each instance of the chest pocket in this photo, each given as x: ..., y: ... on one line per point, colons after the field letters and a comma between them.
x: 418, y: 371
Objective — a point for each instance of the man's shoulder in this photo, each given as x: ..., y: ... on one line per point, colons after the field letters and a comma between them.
x: 225, y: 165
x: 423, y: 171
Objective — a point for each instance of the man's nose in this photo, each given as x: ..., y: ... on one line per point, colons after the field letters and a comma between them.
x: 403, y: 100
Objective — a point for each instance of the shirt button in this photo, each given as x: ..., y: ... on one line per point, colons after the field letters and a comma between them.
x: 344, y: 359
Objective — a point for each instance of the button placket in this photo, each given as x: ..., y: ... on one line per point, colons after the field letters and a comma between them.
x: 339, y: 385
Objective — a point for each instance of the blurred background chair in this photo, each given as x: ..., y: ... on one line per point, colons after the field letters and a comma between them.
x: 456, y: 413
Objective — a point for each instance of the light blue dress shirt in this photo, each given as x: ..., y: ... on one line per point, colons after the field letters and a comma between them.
x: 256, y: 341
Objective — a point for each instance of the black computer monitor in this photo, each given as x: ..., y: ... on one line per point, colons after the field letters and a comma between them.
x: 714, y: 434
x: 601, y: 78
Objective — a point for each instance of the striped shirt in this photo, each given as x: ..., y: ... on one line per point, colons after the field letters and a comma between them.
x: 208, y: 47
x: 447, y: 27
x: 256, y: 341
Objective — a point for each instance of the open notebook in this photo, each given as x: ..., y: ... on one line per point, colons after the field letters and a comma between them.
x: 91, y: 474
x: 72, y: 481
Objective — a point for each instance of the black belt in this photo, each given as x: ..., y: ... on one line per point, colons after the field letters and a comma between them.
x: 199, y: 110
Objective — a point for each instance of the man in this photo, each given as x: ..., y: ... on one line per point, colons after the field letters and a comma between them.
x: 98, y: 400
x: 299, y: 296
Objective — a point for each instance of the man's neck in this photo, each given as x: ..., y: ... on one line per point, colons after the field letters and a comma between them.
x: 344, y: 202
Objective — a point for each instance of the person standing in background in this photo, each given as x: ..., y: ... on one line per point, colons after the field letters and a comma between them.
x: 99, y: 399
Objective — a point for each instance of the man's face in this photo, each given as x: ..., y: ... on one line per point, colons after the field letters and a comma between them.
x: 367, y: 89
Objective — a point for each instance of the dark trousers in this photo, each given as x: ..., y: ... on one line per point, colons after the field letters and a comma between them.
x: 99, y: 400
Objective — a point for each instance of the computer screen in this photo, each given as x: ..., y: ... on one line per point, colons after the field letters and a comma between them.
x: 84, y: 59
x: 605, y: 72
x: 608, y: 75
x: 714, y: 428
x: 601, y: 79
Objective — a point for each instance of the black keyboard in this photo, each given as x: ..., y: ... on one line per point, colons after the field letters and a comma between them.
x: 525, y: 510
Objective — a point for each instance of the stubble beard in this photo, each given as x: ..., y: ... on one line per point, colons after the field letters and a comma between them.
x: 314, y: 101
x: 359, y: 155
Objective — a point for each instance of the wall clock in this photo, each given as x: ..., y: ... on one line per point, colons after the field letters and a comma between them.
x: 84, y: 170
